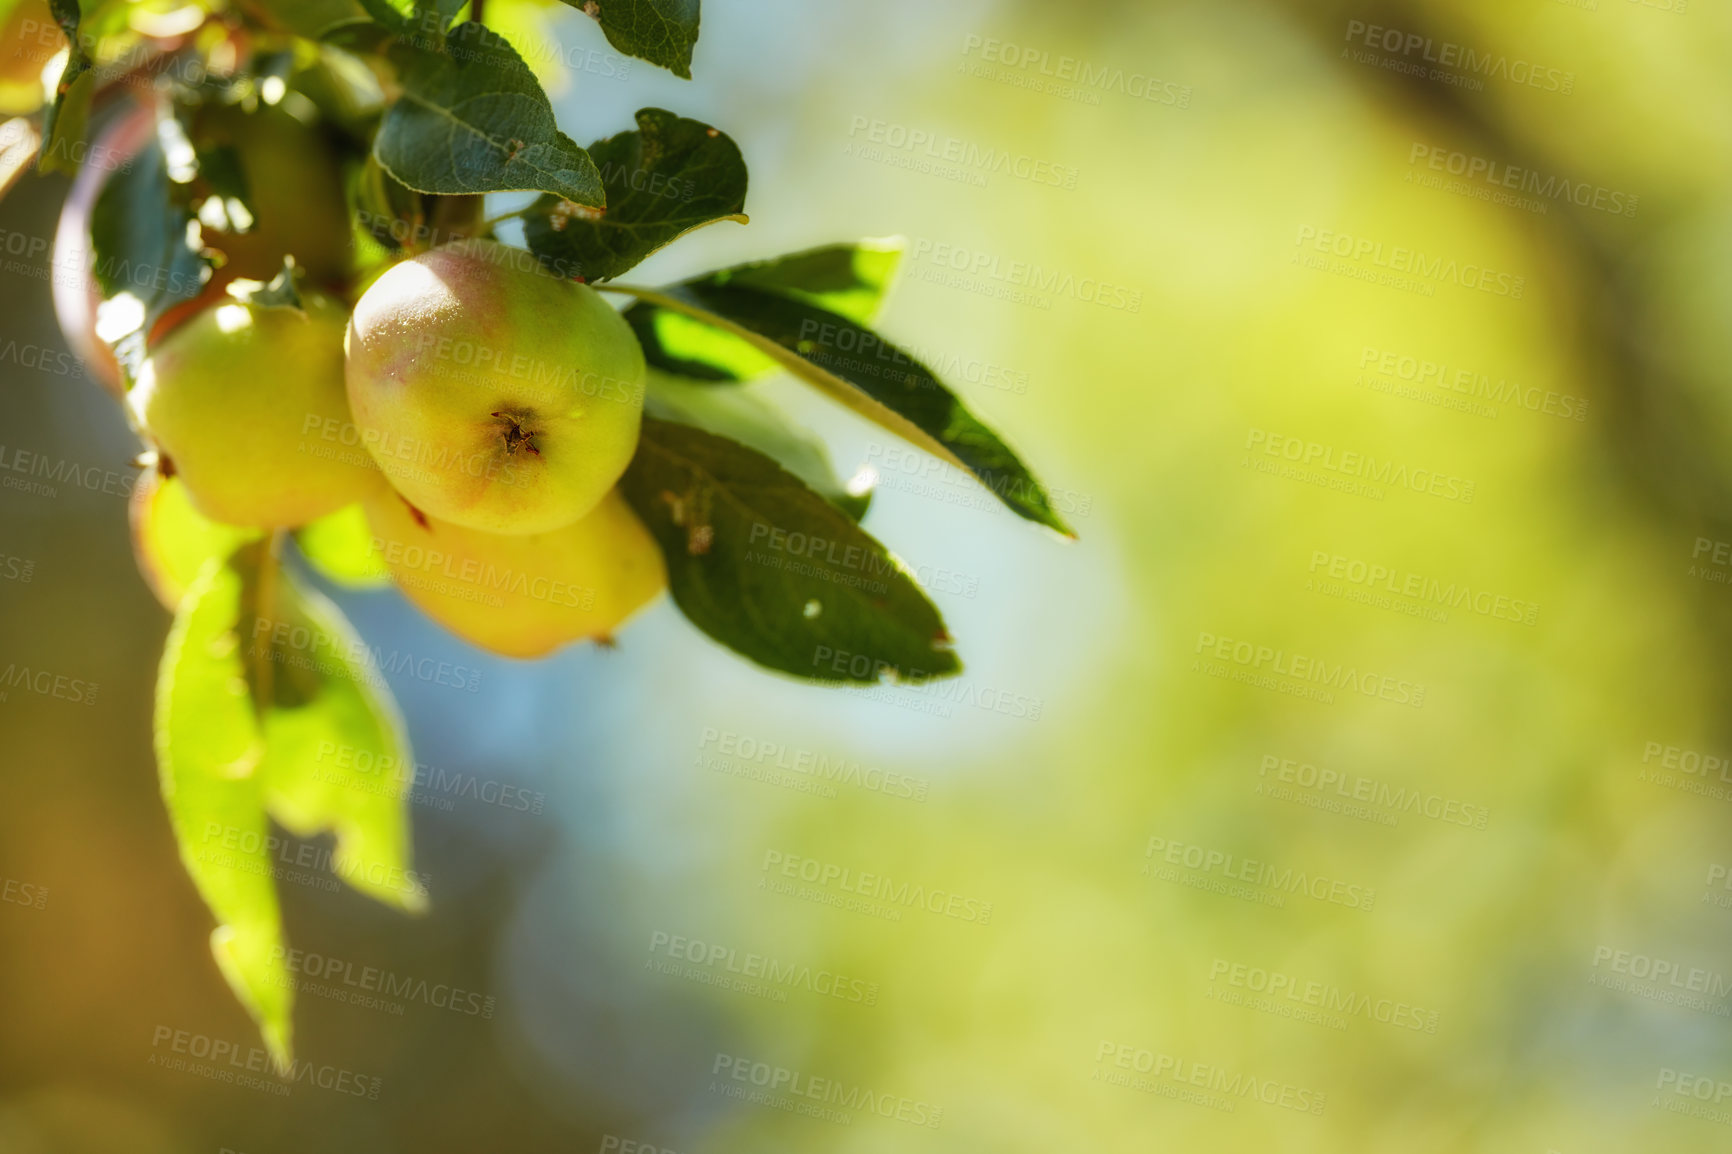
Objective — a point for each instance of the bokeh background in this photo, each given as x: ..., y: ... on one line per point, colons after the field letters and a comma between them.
x: 1546, y: 962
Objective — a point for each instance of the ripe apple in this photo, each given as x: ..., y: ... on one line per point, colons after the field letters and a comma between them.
x: 521, y: 594
x: 247, y: 404
x: 494, y: 395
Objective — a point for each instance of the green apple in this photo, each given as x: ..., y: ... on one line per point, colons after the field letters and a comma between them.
x: 521, y: 594
x: 246, y: 402
x: 295, y: 195
x: 494, y: 395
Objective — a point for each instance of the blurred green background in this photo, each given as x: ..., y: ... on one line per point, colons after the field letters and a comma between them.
x: 1542, y: 965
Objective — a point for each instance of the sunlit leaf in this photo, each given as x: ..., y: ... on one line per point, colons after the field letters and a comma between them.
x: 209, y: 745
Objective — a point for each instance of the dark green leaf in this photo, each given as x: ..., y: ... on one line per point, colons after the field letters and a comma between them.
x: 473, y: 118
x: 860, y: 369
x: 68, y: 115
x: 659, y: 31
x: 667, y: 177
x: 850, y: 279
x: 770, y: 569
x: 743, y: 416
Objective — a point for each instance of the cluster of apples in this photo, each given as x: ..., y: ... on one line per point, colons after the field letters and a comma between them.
x: 478, y: 409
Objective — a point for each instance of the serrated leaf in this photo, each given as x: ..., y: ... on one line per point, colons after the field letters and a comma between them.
x: 173, y: 541
x: 770, y: 569
x: 741, y: 415
x: 860, y: 369
x: 340, y: 547
x: 849, y: 279
x: 208, y: 746
x: 68, y: 116
x: 337, y: 761
x: 662, y: 180
x: 473, y: 118
x: 662, y: 32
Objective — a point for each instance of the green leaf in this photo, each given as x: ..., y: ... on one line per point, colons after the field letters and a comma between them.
x: 339, y: 760
x: 340, y: 547
x: 473, y: 118
x: 662, y: 180
x: 850, y: 279
x: 141, y: 242
x: 860, y: 369
x: 770, y: 569
x: 208, y: 747
x: 662, y: 32
x: 68, y: 117
x: 743, y: 416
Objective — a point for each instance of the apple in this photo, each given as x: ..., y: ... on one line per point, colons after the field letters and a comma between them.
x: 247, y: 404
x: 521, y: 594
x: 494, y: 395
x: 294, y: 189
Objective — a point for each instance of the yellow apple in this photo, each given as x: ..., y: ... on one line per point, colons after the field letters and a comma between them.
x: 494, y: 395
x: 524, y: 594
x: 247, y: 403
